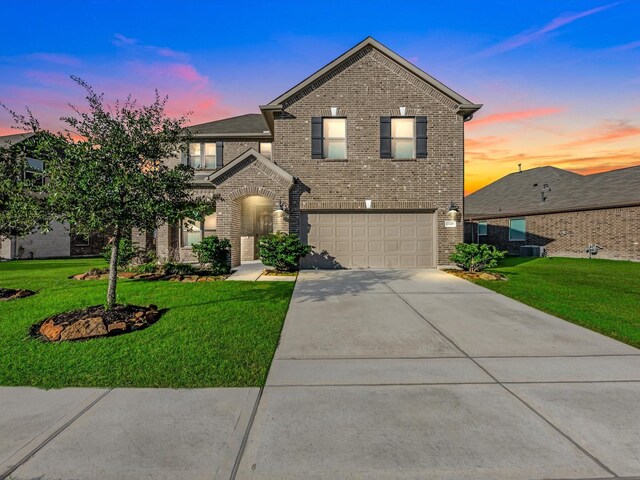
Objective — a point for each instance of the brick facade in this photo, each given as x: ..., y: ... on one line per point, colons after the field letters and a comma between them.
x: 370, y: 86
x: 567, y: 234
x: 365, y: 87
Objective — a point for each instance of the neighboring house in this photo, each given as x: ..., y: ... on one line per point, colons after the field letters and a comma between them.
x: 563, y: 211
x: 364, y: 160
x: 60, y: 241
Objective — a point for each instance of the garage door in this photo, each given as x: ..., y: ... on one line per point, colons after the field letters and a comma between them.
x: 369, y: 240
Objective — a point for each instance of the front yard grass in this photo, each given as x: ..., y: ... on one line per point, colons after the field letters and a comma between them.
x: 215, y: 334
x: 602, y: 295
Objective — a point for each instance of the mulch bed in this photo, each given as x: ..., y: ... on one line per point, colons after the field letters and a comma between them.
x: 94, y: 322
x: 195, y: 277
x: 476, y: 275
x: 275, y: 273
x: 7, y: 294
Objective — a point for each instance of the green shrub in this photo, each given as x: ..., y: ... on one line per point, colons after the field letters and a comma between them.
x: 282, y: 251
x: 214, y: 252
x: 149, y: 267
x: 175, y: 268
x: 474, y: 257
x: 126, y: 252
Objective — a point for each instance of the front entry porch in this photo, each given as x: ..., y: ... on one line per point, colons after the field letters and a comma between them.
x: 252, y: 188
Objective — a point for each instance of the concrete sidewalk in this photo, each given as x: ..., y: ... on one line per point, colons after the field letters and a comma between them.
x: 77, y: 433
x: 419, y: 374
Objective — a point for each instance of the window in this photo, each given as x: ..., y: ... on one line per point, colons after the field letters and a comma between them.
x: 34, y: 171
x: 194, y: 231
x: 334, y: 138
x: 265, y: 149
x: 482, y: 228
x: 403, y: 138
x: 517, y: 229
x: 202, y: 155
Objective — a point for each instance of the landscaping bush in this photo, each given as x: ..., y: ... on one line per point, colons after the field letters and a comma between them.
x: 126, y: 253
x: 175, y: 268
x: 149, y: 267
x: 282, y: 251
x: 474, y: 257
x: 214, y: 252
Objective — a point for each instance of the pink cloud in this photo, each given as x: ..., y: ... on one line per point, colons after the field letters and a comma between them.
x: 607, y: 132
x: 527, y: 37
x: 56, y: 58
x: 627, y: 46
x: 133, y: 44
x: 514, y: 116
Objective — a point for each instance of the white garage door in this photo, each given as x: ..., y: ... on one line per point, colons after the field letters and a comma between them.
x: 369, y: 240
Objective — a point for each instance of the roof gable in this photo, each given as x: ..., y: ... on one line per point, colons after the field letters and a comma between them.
x: 462, y: 105
x: 251, y: 156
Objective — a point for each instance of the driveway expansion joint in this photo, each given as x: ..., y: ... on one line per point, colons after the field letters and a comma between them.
x: 53, y: 435
x: 245, y: 437
x: 546, y: 420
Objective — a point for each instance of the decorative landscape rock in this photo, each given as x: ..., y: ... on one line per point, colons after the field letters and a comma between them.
x: 7, y: 294
x: 476, y: 275
x: 95, y: 322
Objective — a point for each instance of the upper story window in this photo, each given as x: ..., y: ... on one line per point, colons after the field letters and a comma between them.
x: 34, y: 171
x: 517, y: 229
x: 202, y: 155
x: 334, y: 138
x: 265, y: 149
x: 403, y: 138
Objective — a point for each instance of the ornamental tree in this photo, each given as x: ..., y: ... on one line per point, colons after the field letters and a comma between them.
x: 22, y: 207
x: 106, y: 173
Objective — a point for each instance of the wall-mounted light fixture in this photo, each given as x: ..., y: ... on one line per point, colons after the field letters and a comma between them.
x: 281, y: 207
x: 454, y: 212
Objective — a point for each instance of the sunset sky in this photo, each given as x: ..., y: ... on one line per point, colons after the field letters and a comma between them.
x: 559, y: 80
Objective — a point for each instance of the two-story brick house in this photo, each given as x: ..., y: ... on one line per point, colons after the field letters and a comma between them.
x: 364, y: 160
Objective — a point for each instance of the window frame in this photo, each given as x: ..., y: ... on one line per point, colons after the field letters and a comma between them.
x: 486, y: 228
x: 413, y: 139
x: 524, y: 232
x: 270, y: 156
x: 325, y: 138
x: 203, y: 155
x: 200, y: 229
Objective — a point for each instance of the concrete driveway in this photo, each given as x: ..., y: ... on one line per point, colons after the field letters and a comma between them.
x: 419, y: 374
x: 378, y: 375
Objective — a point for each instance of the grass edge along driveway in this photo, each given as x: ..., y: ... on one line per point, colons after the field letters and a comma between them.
x: 602, y: 295
x: 215, y: 334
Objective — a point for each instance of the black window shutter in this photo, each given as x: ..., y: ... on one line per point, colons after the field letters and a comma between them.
x: 385, y: 137
x: 421, y: 137
x: 316, y: 137
x: 219, y: 154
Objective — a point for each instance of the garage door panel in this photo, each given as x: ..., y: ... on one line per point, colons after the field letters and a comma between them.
x: 370, y: 240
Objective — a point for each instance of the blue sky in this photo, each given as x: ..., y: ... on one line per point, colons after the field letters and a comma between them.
x: 560, y: 80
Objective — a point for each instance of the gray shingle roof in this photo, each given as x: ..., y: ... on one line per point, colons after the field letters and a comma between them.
x: 251, y: 124
x: 9, y: 140
x: 522, y: 193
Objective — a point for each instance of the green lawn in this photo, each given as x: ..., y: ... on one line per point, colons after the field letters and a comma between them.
x: 603, y: 295
x: 214, y: 334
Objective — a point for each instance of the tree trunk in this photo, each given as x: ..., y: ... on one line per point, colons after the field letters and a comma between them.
x: 113, y: 271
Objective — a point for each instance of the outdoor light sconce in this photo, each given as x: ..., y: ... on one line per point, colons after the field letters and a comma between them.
x: 454, y: 212
x: 282, y: 207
